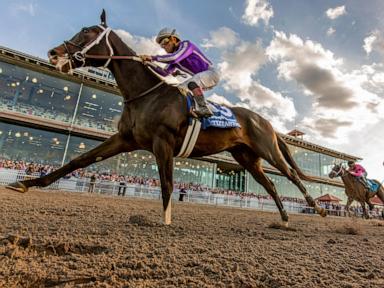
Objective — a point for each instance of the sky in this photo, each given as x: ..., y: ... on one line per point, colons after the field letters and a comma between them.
x: 316, y: 66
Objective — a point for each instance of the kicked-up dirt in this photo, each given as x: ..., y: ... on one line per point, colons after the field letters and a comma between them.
x: 57, y: 239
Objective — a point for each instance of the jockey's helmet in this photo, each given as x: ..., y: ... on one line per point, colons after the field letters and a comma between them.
x: 165, y: 33
x: 350, y: 163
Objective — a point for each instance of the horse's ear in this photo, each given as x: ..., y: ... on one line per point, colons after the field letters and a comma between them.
x: 103, y: 19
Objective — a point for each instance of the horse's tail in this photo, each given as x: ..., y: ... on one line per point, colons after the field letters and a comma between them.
x: 288, y: 157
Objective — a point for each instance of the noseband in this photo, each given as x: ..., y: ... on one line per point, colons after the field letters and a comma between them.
x: 340, y: 172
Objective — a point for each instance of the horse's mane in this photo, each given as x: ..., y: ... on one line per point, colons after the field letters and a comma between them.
x: 128, y: 40
x: 141, y: 44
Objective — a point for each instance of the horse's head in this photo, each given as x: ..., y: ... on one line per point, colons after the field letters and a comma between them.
x: 71, y: 54
x: 337, y: 170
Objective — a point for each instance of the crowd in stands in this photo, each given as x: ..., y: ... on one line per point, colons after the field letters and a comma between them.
x: 54, y: 114
x: 38, y: 170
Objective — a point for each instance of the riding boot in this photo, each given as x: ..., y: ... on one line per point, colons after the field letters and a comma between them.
x: 202, y: 109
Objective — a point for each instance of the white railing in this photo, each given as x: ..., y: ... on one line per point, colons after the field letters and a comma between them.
x: 143, y: 191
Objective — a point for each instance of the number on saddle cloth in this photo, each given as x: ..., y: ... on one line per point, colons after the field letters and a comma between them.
x: 223, y: 116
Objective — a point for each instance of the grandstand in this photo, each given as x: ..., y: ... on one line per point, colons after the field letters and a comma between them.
x: 47, y: 117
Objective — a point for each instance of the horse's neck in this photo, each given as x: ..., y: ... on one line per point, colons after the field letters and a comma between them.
x: 131, y: 76
x: 347, y: 179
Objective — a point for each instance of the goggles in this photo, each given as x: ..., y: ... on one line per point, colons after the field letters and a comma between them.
x: 164, y: 42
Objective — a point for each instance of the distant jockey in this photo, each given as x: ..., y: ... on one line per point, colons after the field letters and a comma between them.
x: 187, y: 57
x: 359, y: 172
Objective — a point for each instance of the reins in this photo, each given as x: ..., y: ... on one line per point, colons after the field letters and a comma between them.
x: 126, y: 102
x: 82, y: 55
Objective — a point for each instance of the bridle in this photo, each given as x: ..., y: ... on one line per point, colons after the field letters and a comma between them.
x: 80, y: 56
x: 340, y: 172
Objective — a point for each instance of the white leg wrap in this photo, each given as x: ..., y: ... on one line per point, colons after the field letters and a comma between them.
x: 168, y: 213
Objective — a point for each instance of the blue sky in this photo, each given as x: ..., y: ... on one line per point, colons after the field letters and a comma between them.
x: 312, y: 65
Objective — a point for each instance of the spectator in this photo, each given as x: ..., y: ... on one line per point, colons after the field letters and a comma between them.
x: 122, y: 186
x: 182, y: 193
x: 29, y: 171
x: 92, y: 183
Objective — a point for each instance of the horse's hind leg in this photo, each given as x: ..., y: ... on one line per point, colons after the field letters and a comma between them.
x: 163, y: 150
x: 252, y: 163
x: 279, y: 163
x: 112, y: 146
x: 380, y: 193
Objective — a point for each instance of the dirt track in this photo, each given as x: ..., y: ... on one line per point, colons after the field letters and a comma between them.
x: 61, y: 239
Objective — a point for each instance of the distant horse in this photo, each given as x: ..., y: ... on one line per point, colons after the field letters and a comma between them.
x: 355, y: 190
x: 155, y: 118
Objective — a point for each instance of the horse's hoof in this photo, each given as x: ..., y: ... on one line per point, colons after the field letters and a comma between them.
x: 284, y: 224
x: 322, y: 212
x: 17, y: 186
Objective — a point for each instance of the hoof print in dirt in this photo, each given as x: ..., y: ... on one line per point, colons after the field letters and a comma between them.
x: 140, y: 220
x: 276, y: 225
x: 61, y: 249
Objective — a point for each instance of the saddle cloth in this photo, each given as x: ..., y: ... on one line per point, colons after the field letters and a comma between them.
x: 222, y: 117
x: 373, y: 185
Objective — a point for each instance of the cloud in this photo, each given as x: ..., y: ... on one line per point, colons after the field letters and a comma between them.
x: 220, y: 100
x: 224, y: 37
x: 374, y: 42
x: 141, y: 45
x: 340, y: 100
x: 239, y: 66
x: 29, y: 8
x: 257, y: 10
x: 331, y: 31
x: 328, y: 127
x: 333, y: 13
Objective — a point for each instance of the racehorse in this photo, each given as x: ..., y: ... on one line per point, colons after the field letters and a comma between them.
x: 355, y: 190
x: 155, y: 118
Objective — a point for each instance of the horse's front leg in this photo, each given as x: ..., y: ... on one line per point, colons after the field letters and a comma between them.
x: 110, y: 147
x: 349, y: 202
x: 163, y: 150
x: 365, y: 212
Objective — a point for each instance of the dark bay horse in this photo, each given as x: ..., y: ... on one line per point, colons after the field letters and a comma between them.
x: 155, y: 119
x: 355, y: 190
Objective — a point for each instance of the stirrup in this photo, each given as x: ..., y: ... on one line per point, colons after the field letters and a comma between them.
x: 203, y: 115
x: 193, y: 114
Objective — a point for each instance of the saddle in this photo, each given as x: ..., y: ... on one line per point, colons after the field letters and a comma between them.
x: 222, y: 117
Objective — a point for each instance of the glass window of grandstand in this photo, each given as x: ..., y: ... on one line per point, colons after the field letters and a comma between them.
x: 19, y: 143
x: 308, y: 161
x: 339, y: 192
x: 192, y: 171
x: 78, y: 146
x: 139, y: 164
x: 230, y: 178
x: 327, y: 162
x: 36, y: 94
x: 284, y: 187
x: 99, y: 110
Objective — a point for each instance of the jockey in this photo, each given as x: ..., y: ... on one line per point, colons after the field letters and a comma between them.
x: 185, y: 56
x: 359, y: 172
